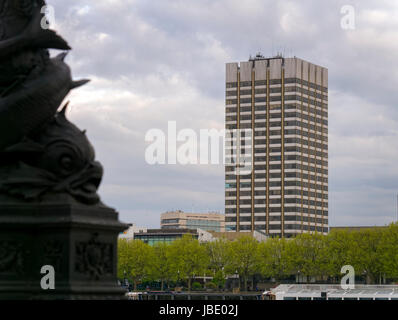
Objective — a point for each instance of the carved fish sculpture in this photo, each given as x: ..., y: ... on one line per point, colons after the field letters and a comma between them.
x: 30, y: 99
x: 41, y: 152
x: 59, y: 159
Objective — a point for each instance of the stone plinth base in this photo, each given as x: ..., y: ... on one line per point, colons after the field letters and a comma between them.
x: 78, y: 241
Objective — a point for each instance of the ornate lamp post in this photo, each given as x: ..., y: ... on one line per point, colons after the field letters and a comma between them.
x: 50, y: 213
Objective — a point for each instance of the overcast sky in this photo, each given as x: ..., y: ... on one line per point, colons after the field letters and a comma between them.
x: 160, y: 60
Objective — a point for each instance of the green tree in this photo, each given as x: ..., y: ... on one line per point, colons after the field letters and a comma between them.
x: 134, y: 260
x: 124, y: 267
x: 219, y: 279
x: 219, y: 258
x: 161, y: 264
x: 339, y: 245
x: 372, y: 252
x: 366, y: 254
x: 389, y: 250
x: 245, y: 258
x: 188, y: 258
x: 274, y: 258
x: 308, y: 254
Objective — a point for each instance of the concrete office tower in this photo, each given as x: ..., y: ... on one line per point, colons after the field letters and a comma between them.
x: 285, y: 103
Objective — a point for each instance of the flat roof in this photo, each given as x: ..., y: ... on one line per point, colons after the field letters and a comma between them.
x: 166, y: 232
x: 357, y: 227
x: 336, y: 290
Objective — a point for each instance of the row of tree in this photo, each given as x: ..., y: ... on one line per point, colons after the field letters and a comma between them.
x: 372, y: 252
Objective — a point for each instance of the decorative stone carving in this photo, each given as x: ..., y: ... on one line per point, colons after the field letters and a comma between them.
x: 41, y: 152
x: 11, y: 257
x: 49, y: 177
x: 53, y: 253
x: 94, y: 258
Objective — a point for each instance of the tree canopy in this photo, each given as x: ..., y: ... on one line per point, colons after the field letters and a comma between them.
x: 372, y: 252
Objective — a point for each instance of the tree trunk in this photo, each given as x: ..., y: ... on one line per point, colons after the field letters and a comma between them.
x: 369, y: 279
x: 245, y: 282
x: 162, y: 285
x: 135, y: 285
x: 189, y: 284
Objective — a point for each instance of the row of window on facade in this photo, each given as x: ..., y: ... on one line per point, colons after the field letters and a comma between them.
x: 261, y: 184
x: 298, y: 192
x: 318, y: 110
x: 296, y: 218
x: 277, y: 209
x: 302, y: 82
x: 288, y: 97
x: 305, y: 227
x: 245, y: 117
x: 245, y: 92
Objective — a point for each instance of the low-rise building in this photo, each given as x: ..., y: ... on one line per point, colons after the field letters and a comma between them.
x: 183, y: 220
x: 331, y: 292
x: 355, y: 228
x: 155, y: 236
x: 131, y: 231
x: 228, y: 235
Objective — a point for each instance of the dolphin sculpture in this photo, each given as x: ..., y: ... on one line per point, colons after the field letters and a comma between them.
x: 41, y: 152
x: 24, y: 109
x: 32, y: 37
x: 30, y: 99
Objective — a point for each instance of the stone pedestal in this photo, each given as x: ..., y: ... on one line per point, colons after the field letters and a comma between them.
x: 78, y: 241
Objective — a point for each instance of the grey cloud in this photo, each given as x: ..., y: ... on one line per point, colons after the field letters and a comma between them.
x: 154, y: 61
